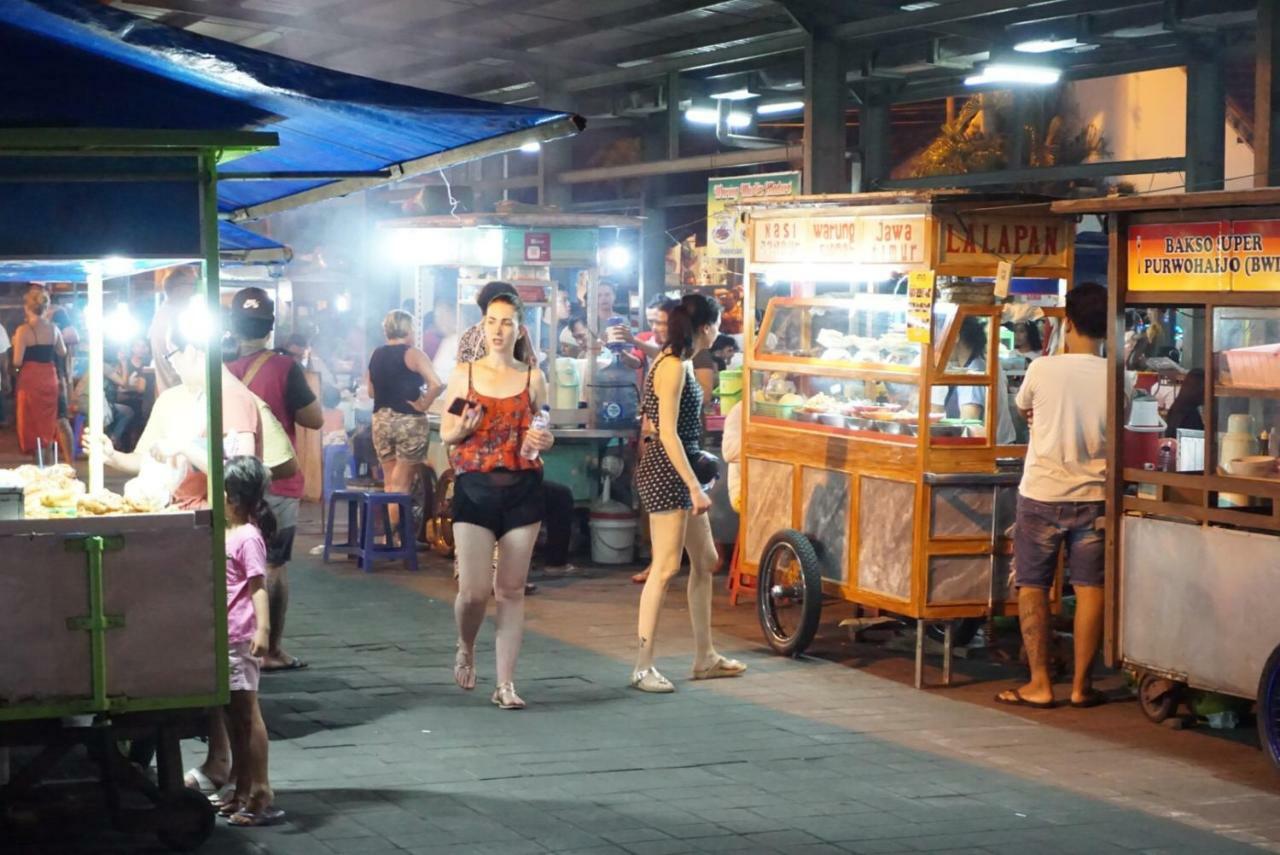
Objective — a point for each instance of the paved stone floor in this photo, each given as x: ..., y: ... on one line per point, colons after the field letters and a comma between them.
x: 375, y: 750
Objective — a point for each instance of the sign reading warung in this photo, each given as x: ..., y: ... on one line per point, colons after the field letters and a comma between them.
x: 896, y: 241
x: 1219, y: 256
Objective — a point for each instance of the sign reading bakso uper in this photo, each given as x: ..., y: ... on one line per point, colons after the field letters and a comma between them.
x: 1243, y: 255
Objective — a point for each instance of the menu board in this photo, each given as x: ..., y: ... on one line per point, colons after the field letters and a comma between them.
x: 920, y: 306
x: 897, y: 242
x: 726, y: 238
x: 1240, y: 255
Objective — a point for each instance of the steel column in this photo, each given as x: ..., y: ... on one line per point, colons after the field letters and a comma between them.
x: 824, y: 125
x: 873, y: 138
x: 661, y: 139
x: 1266, y: 99
x: 1206, y: 118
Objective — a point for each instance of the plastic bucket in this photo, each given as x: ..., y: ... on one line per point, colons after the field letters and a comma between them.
x: 731, y: 382
x: 728, y: 400
x: 613, y: 538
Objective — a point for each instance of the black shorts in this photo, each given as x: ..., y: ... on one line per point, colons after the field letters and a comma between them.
x: 499, y: 501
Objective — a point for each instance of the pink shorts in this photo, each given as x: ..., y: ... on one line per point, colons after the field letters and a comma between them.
x: 245, y: 668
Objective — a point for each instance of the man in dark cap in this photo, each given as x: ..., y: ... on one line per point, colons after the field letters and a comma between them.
x: 279, y: 381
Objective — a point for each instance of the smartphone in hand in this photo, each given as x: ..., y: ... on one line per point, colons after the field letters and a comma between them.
x: 458, y: 407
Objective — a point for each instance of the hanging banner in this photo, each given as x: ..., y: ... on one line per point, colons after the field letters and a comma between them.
x: 920, y: 306
x: 726, y: 236
x: 973, y: 241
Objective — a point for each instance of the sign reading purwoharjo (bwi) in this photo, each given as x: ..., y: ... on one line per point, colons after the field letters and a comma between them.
x: 1239, y: 255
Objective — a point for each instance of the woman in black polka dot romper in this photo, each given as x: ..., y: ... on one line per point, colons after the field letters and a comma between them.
x: 670, y: 492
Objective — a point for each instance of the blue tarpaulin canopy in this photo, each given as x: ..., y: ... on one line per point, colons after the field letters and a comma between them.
x: 235, y: 246
x: 66, y: 64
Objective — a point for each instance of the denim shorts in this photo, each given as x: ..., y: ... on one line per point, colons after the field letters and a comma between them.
x: 1045, y: 527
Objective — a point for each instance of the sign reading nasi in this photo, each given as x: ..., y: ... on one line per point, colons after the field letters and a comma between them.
x: 974, y: 241
x: 890, y: 241
x: 1241, y: 255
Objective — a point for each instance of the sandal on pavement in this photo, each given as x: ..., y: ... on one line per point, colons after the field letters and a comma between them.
x: 294, y: 664
x: 229, y: 806
x: 196, y: 779
x: 1013, y: 698
x: 253, y: 819
x: 722, y: 667
x: 505, y: 697
x: 464, y: 669
x: 1092, y: 698
x: 649, y: 680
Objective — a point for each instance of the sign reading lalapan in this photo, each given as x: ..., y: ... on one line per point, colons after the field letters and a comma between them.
x: 974, y: 241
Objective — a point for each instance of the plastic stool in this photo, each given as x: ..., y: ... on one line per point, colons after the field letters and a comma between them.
x: 334, y: 471
x: 363, y: 510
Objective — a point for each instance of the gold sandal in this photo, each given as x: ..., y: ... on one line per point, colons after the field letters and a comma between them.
x: 464, y: 669
x: 505, y: 697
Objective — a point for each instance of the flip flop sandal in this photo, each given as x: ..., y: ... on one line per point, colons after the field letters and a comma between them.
x: 294, y: 664
x: 464, y: 671
x: 649, y: 680
x: 1092, y: 698
x: 229, y: 807
x: 722, y: 667
x: 253, y: 819
x: 203, y: 782
x: 1018, y: 701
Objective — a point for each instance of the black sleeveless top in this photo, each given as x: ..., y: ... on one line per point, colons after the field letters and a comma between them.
x: 394, y: 384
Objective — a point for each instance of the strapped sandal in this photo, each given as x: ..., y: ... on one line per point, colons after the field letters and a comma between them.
x: 464, y: 669
x: 505, y: 697
x: 650, y: 680
x: 722, y: 667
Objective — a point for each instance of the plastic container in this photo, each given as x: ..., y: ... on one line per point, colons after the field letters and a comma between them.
x: 11, y: 503
x: 541, y: 421
x: 1255, y: 367
x: 731, y: 382
x: 617, y: 321
x: 568, y: 384
x: 615, y: 396
x: 613, y: 533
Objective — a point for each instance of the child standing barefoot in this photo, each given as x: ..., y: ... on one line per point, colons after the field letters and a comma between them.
x: 249, y: 525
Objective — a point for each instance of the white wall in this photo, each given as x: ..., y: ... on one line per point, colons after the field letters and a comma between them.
x: 1144, y: 116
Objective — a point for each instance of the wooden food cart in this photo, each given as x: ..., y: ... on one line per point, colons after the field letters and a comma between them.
x: 1193, y: 594
x: 853, y: 487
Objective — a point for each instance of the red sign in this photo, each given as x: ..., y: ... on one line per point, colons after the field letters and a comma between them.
x: 537, y: 247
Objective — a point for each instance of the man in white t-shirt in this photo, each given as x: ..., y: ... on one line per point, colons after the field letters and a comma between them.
x: 1062, y: 497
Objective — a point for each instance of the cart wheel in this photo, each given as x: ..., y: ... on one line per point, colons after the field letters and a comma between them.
x: 423, y: 490
x: 962, y: 631
x: 1158, y: 697
x: 185, y: 819
x: 1269, y: 708
x: 440, y: 523
x: 789, y: 592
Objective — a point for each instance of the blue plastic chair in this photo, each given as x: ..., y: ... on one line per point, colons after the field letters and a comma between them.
x: 364, y: 509
x: 334, y: 471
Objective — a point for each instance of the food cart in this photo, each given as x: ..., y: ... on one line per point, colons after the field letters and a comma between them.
x: 874, y: 470
x: 536, y: 252
x: 1193, y: 597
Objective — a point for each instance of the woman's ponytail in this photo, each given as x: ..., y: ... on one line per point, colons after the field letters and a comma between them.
x: 685, y: 317
x: 264, y: 519
x: 245, y: 480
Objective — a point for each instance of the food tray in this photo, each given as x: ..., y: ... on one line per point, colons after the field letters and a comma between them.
x: 1257, y: 367
x: 776, y: 411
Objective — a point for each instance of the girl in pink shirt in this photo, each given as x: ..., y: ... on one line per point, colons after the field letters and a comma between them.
x: 249, y: 525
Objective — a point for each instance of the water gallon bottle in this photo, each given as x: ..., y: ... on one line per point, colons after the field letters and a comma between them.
x: 540, y: 421
x: 616, y: 398
x: 616, y: 321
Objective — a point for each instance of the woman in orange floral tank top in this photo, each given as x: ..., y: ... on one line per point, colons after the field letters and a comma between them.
x: 497, y: 497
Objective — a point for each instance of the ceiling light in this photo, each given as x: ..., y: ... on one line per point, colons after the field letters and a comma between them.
x: 1046, y: 45
x: 709, y: 116
x: 918, y: 7
x: 531, y: 147
x: 1015, y: 74
x: 115, y: 265
x: 774, y: 108
x: 740, y: 94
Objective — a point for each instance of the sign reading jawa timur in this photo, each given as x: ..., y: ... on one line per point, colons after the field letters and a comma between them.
x: 891, y: 241
x: 974, y: 241
x: 1221, y: 256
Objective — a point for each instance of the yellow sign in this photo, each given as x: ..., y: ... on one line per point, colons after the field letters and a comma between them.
x: 1243, y: 255
x: 920, y: 306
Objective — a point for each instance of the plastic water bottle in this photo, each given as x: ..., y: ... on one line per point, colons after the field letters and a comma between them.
x: 617, y: 321
x: 541, y: 420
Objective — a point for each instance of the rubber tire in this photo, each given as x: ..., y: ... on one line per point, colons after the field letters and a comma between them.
x: 441, y: 524
x: 186, y: 819
x: 962, y: 631
x: 1268, y: 711
x: 811, y: 609
x: 1160, y: 709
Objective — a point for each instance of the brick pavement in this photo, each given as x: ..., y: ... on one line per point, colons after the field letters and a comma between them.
x: 375, y: 750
